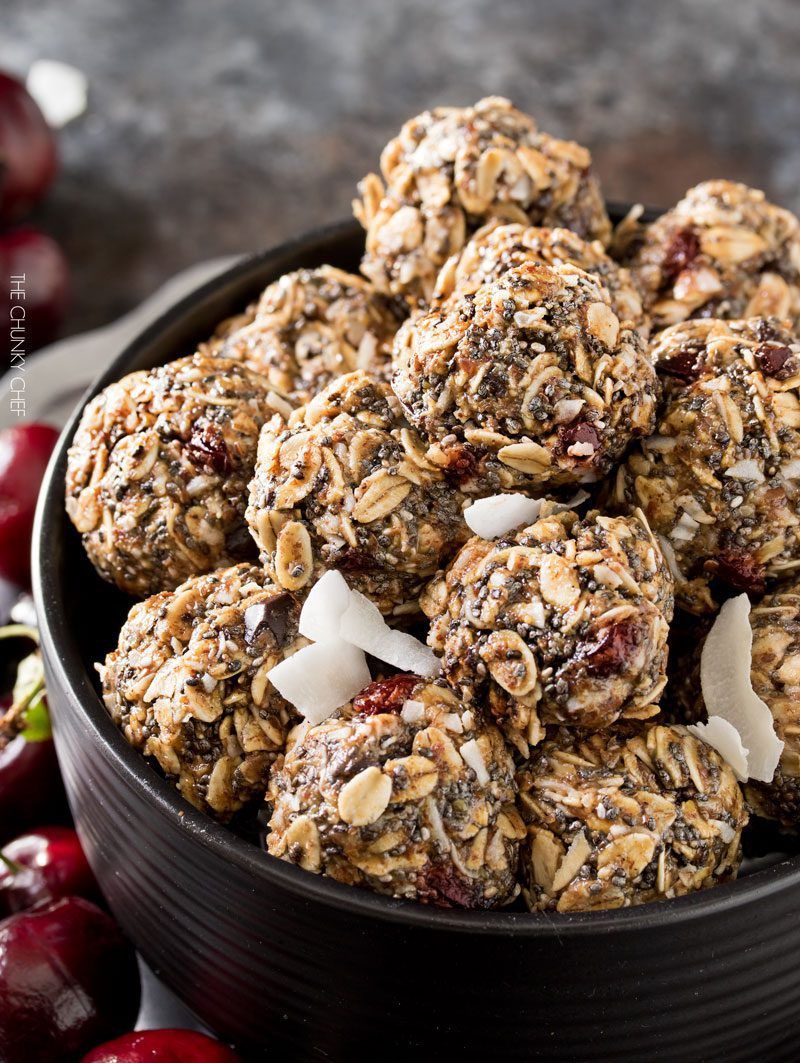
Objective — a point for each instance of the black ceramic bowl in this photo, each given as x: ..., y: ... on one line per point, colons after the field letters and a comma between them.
x: 294, y: 967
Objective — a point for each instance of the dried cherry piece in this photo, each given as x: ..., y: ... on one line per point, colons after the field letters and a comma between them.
x: 773, y: 360
x: 740, y: 571
x: 462, y: 462
x: 385, y: 695
x: 615, y: 646
x: 681, y: 251
x: 683, y: 364
x: 579, y: 432
x: 207, y: 448
x: 440, y: 884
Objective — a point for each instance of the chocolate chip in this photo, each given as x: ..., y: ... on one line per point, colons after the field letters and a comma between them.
x: 683, y: 364
x: 579, y: 432
x: 272, y: 614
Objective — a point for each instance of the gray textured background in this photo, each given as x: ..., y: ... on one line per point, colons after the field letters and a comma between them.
x: 218, y: 126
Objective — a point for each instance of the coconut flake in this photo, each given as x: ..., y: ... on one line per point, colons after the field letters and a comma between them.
x: 498, y: 514
x: 746, y: 469
x: 473, y: 758
x: 320, y: 678
x: 60, y: 90
x: 727, y: 741
x: 790, y: 470
x: 363, y: 625
x: 728, y: 692
x: 321, y: 615
x: 412, y: 711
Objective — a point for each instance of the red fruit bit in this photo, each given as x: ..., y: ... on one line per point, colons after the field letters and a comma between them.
x: 612, y: 651
x: 440, y: 884
x: 164, y: 1046
x: 206, y: 449
x: 775, y: 360
x: 579, y: 432
x: 385, y: 695
x: 462, y: 462
x: 682, y: 250
x: 683, y: 364
x: 740, y: 571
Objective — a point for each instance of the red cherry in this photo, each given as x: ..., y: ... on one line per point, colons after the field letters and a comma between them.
x: 45, y: 865
x: 163, y: 1046
x: 24, y: 452
x: 28, y: 155
x: 35, y: 319
x: 30, y: 785
x: 68, y: 980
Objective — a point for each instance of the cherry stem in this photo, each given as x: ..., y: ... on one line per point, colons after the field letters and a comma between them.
x: 12, y: 865
x: 12, y: 719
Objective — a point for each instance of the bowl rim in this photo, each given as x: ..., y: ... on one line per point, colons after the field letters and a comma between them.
x: 67, y: 670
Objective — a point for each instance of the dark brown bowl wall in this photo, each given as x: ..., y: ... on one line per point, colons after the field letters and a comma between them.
x: 294, y: 967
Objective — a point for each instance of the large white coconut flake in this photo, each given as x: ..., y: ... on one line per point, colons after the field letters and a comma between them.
x: 499, y: 514
x: 723, y: 736
x: 363, y: 625
x: 728, y: 692
x: 321, y: 678
x: 321, y: 615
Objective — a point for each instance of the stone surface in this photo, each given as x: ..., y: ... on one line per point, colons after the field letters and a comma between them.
x: 217, y: 127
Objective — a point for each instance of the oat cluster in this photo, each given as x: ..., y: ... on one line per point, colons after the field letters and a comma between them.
x: 624, y: 817
x: 563, y: 622
x: 497, y: 248
x: 452, y: 169
x: 498, y: 342
x: 723, y: 251
x: 719, y: 481
x: 157, y: 473
x: 188, y: 683
x: 345, y: 484
x: 531, y: 381
x: 310, y: 327
x: 408, y: 792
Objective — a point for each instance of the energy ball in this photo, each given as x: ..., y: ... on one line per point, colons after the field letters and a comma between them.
x: 312, y: 326
x: 452, y: 169
x: 531, y: 381
x: 723, y: 251
x: 188, y: 684
x: 496, y: 248
x: 408, y: 794
x: 719, y: 482
x: 775, y: 677
x: 565, y: 621
x: 626, y: 817
x: 158, y: 470
x: 345, y: 484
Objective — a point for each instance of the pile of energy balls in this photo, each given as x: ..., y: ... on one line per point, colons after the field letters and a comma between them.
x: 551, y: 450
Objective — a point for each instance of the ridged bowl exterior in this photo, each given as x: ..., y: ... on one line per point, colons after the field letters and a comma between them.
x: 290, y: 966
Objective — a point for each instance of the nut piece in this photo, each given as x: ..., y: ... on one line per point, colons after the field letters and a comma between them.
x: 408, y: 794
x: 638, y: 814
x: 526, y: 383
x: 496, y: 248
x: 158, y: 471
x: 345, y: 484
x: 719, y: 482
x: 722, y: 251
x: 312, y: 326
x: 565, y: 621
x: 451, y: 170
x: 188, y: 684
